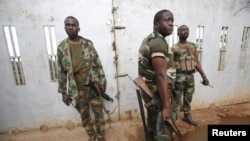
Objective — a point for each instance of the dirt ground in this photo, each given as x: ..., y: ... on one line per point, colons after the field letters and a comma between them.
x: 130, y: 130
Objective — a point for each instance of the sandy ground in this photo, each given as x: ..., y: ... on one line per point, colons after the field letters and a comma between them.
x: 130, y: 130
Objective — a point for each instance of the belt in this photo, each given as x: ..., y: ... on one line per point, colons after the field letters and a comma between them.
x: 184, y: 72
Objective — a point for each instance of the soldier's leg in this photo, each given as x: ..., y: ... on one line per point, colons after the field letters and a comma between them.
x: 167, y: 130
x: 167, y: 133
x: 177, y: 94
x: 151, y: 118
x: 97, y: 107
x: 188, y: 96
x: 82, y: 105
x: 151, y: 123
x: 188, y: 93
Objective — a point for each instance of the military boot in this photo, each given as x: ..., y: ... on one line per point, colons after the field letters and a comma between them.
x: 187, y: 118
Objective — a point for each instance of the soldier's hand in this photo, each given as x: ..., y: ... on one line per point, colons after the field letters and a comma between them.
x: 66, y: 98
x: 165, y: 113
x: 205, y: 81
x: 102, y: 88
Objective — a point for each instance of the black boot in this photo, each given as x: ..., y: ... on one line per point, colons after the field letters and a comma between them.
x: 187, y: 118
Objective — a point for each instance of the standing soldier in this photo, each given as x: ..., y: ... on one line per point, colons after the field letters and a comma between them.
x: 79, y: 65
x: 153, y: 65
x: 186, y: 62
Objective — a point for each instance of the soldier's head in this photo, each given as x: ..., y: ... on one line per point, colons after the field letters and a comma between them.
x: 183, y: 32
x: 163, y: 22
x: 71, y: 26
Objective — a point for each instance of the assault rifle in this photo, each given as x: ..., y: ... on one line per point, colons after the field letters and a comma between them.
x: 156, y: 102
x: 142, y: 113
x: 96, y: 88
x: 99, y: 93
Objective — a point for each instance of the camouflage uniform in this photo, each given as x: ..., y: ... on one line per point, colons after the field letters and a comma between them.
x: 77, y: 62
x: 153, y: 43
x: 184, y: 82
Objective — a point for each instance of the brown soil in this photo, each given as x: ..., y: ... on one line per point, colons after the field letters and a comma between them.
x: 130, y: 130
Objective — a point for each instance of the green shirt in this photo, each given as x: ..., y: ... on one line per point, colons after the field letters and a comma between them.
x: 66, y: 78
x: 78, y: 64
x: 154, y: 45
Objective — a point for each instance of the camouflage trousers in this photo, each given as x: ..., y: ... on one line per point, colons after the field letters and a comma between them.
x: 152, y: 115
x: 184, y: 87
x: 88, y: 99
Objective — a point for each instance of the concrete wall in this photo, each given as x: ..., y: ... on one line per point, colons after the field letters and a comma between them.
x: 37, y: 102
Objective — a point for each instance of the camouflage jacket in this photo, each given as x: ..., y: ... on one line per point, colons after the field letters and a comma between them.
x: 65, y: 70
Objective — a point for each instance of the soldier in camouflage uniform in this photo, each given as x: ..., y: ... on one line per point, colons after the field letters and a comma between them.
x: 78, y: 62
x: 153, y: 67
x: 186, y: 62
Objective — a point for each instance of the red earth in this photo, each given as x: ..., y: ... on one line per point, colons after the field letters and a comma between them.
x: 129, y: 130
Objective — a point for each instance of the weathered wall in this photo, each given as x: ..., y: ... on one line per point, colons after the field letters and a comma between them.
x: 38, y: 102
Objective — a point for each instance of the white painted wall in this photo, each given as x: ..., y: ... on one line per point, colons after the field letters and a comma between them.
x: 37, y: 102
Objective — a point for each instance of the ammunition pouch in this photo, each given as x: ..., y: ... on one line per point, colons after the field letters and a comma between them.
x: 190, y: 62
x: 186, y: 63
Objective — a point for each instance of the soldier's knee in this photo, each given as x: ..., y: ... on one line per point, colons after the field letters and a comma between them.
x: 179, y: 87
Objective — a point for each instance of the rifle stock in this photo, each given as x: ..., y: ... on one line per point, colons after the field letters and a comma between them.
x: 142, y: 85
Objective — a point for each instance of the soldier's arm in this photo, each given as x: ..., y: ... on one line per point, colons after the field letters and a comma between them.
x: 99, y: 70
x: 62, y: 79
x: 160, y: 66
x: 198, y: 67
x: 62, y: 74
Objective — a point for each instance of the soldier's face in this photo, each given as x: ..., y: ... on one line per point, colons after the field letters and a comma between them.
x: 71, y: 27
x: 183, y: 32
x: 166, y: 24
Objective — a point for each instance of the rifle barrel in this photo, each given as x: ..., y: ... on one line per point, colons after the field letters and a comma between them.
x: 142, y: 114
